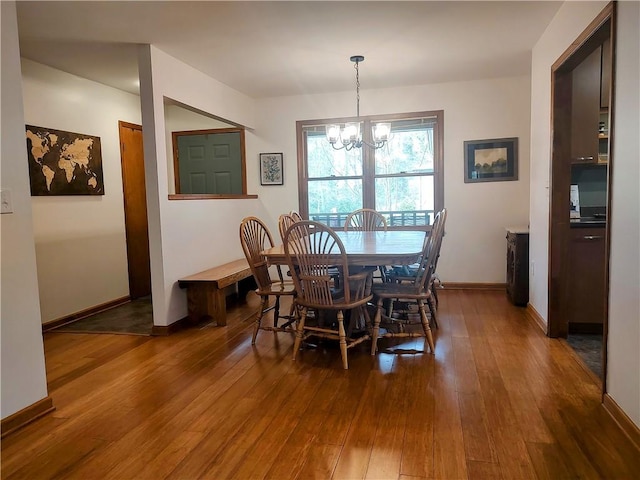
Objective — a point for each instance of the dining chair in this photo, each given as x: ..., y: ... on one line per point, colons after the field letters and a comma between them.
x: 408, y: 273
x: 417, y: 290
x: 285, y: 221
x: 367, y: 219
x: 297, y: 217
x: 255, y: 238
x: 312, y: 249
x: 436, y: 283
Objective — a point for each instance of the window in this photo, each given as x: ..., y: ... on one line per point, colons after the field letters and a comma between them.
x: 403, y: 180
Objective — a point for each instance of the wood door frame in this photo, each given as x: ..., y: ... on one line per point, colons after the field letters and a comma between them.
x: 601, y: 28
x: 213, y: 131
x: 131, y: 269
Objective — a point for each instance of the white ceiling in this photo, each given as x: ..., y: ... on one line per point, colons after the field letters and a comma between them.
x: 269, y: 49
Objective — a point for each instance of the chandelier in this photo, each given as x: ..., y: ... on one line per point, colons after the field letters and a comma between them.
x: 348, y: 136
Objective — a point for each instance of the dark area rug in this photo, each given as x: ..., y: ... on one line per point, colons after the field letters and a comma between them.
x: 589, y: 348
x: 132, y: 318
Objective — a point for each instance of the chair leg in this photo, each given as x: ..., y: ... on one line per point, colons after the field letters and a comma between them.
x: 425, y: 326
x: 376, y: 327
x: 264, y: 300
x: 343, y: 340
x: 432, y: 310
x: 367, y: 318
x: 294, y: 315
x: 299, y: 332
x: 276, y: 311
x: 434, y: 291
x: 390, y: 307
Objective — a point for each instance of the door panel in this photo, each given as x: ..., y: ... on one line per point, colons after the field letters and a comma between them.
x: 135, y: 209
x: 210, y: 163
x: 223, y: 182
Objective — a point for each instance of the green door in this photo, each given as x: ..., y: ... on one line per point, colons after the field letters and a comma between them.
x: 210, y: 163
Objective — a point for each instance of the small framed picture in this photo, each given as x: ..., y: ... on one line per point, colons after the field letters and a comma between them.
x: 491, y: 160
x: 271, y: 169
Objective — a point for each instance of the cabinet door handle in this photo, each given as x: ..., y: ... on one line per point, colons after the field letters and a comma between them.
x: 592, y: 237
x: 585, y: 159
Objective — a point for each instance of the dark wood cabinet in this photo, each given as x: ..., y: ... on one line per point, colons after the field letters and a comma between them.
x: 590, y: 87
x: 605, y: 77
x: 586, y: 280
x: 585, y: 108
x: 518, y: 266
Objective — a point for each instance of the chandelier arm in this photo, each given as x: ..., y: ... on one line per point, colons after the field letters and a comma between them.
x: 374, y: 145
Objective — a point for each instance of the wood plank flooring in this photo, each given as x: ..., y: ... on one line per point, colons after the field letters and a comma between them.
x: 497, y: 400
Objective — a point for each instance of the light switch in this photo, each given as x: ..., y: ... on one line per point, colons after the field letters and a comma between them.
x: 5, y: 201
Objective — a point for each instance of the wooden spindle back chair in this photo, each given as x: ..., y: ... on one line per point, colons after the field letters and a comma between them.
x: 368, y: 220
x: 313, y: 251
x: 284, y: 222
x: 365, y: 219
x: 416, y: 289
x: 255, y: 238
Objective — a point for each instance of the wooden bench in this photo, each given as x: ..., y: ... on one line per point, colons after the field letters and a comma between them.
x: 206, y: 298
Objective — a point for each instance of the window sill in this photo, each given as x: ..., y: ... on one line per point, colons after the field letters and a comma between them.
x: 208, y: 196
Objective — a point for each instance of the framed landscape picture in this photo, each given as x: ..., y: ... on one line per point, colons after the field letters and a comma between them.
x: 491, y: 160
x: 271, y: 169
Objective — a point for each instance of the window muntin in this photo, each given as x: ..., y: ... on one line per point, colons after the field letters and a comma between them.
x: 402, y: 180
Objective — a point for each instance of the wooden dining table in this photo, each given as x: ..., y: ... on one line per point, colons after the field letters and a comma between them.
x: 391, y: 247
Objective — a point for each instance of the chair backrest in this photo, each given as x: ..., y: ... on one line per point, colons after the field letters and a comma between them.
x: 313, y: 248
x: 284, y: 222
x: 430, y: 253
x: 296, y: 215
x: 365, y: 219
x: 254, y: 238
x: 443, y: 219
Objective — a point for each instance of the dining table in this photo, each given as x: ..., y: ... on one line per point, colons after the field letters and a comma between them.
x: 365, y: 248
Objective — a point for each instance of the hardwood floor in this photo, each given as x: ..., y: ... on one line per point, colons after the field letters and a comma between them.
x: 498, y: 400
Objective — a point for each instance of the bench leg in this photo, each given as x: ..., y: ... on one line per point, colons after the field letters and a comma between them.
x: 206, y: 301
x: 218, y: 306
x: 245, y: 286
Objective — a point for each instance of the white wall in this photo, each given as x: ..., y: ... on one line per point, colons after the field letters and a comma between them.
x: 623, y: 362
x: 474, y: 249
x: 187, y: 236
x: 623, y: 359
x: 569, y: 22
x: 80, y: 240
x: 23, y: 369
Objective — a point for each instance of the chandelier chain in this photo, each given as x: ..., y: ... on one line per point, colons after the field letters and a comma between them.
x: 357, y: 89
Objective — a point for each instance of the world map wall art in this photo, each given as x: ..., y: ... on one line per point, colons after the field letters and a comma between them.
x: 63, y: 163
